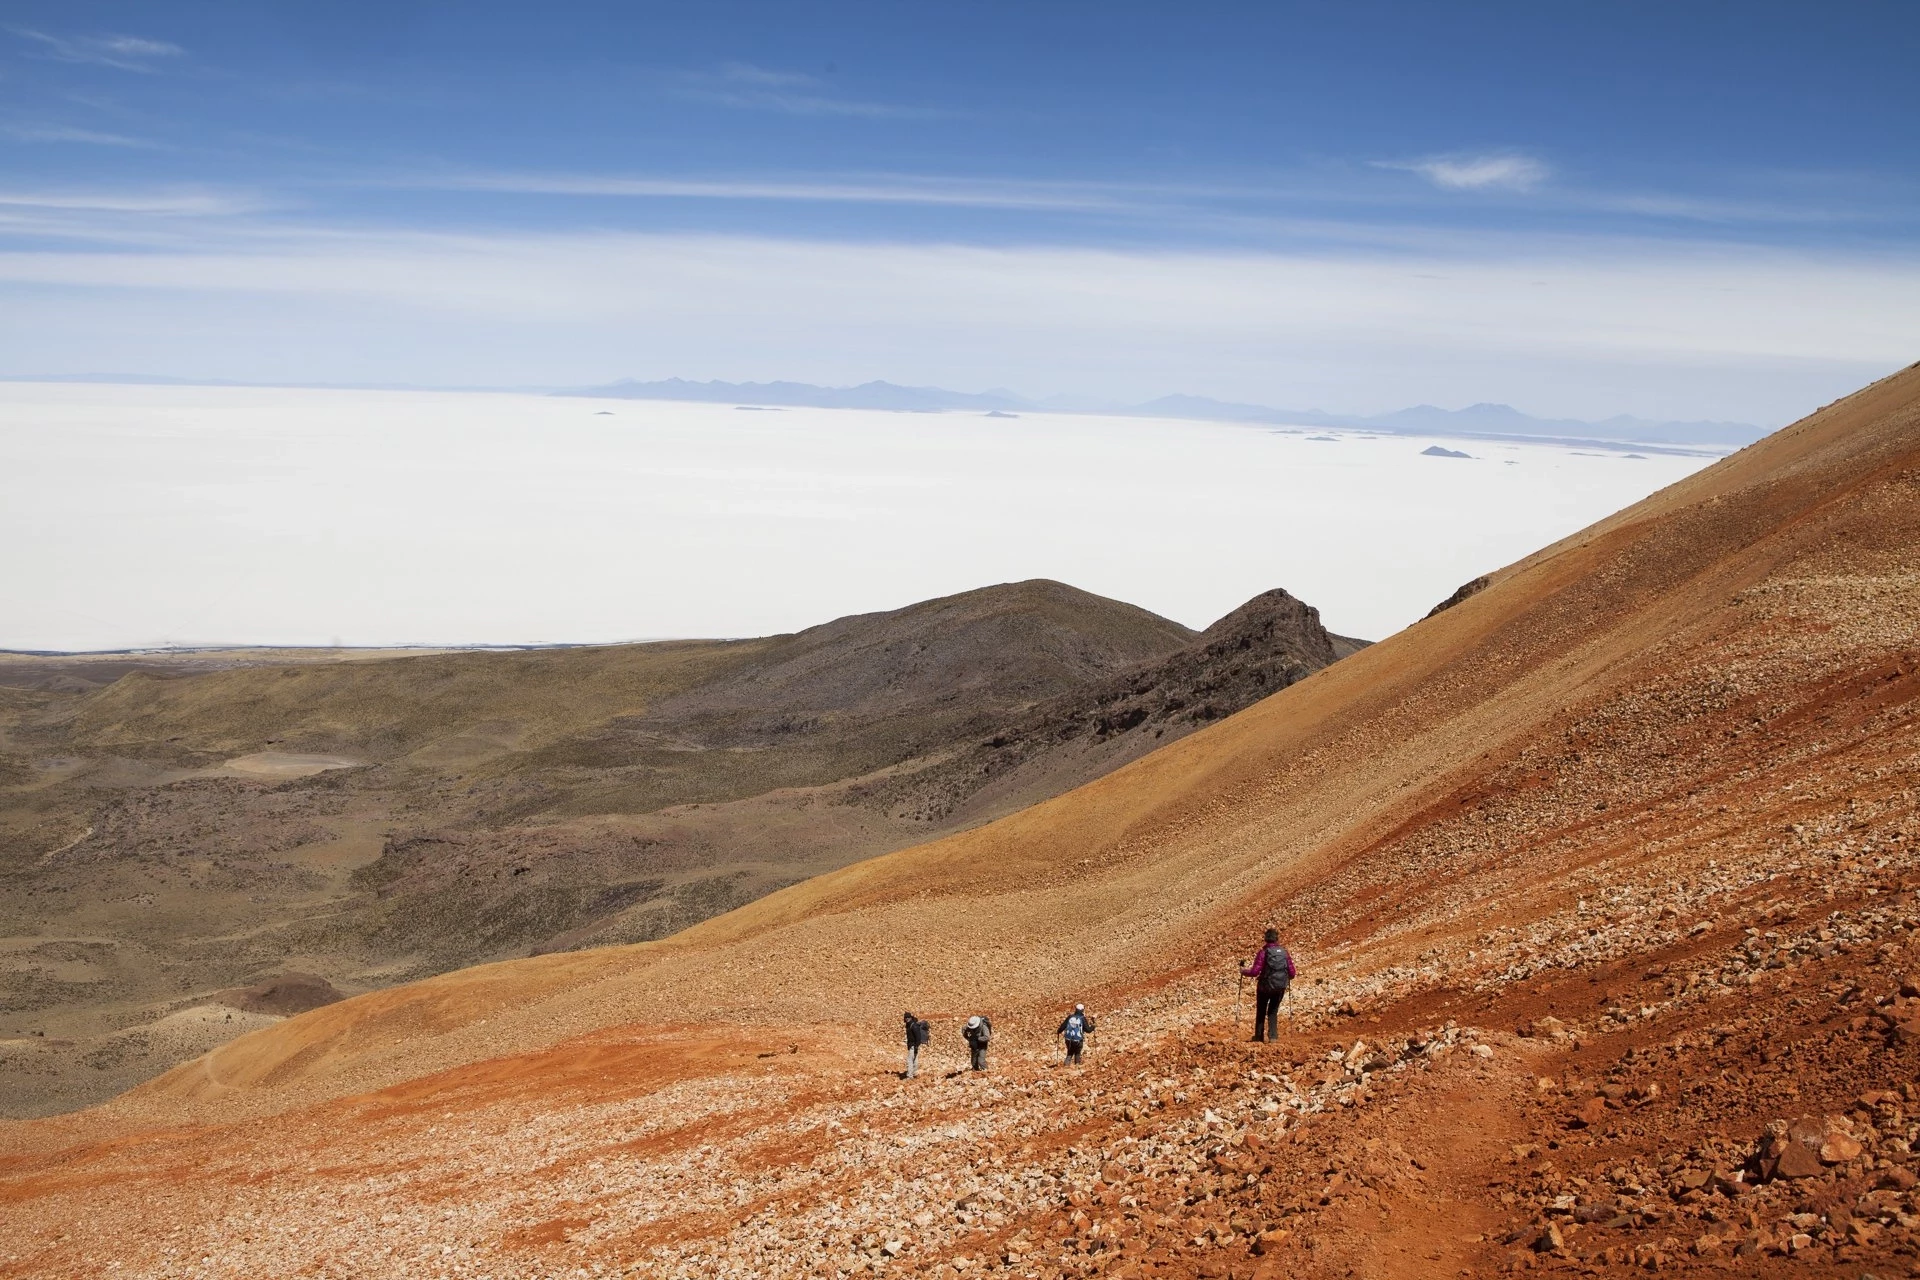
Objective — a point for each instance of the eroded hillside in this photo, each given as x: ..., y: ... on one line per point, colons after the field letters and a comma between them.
x: 177, y: 827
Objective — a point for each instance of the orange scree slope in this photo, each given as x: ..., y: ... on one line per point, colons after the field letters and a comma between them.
x: 1125, y: 876
x: 1687, y: 722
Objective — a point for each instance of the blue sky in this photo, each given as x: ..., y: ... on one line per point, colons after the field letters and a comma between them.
x: 1706, y: 210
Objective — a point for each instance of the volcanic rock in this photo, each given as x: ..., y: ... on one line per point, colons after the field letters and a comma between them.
x: 284, y: 995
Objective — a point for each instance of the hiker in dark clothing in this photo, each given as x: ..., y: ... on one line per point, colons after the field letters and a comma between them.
x: 1273, y: 967
x: 918, y: 1033
x: 977, y: 1032
x: 1074, y: 1031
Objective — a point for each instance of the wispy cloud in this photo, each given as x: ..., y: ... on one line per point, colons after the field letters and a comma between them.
x: 177, y: 202
x: 855, y: 189
x: 68, y: 133
x: 1698, y: 329
x: 1268, y: 212
x: 1494, y: 170
x: 158, y: 219
x: 1692, y: 208
x: 745, y: 86
x: 124, y: 52
x: 1541, y: 294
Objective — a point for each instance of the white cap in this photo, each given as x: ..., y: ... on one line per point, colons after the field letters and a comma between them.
x: 1079, y: 1008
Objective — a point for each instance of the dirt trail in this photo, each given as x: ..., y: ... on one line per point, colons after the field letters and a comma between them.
x: 1602, y: 881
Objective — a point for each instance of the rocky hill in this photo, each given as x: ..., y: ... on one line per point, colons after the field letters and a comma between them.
x: 175, y: 829
x: 1601, y: 883
x: 1268, y: 643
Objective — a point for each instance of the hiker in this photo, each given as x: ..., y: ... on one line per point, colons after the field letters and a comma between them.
x: 918, y: 1033
x: 976, y: 1033
x: 1274, y: 969
x: 1074, y: 1031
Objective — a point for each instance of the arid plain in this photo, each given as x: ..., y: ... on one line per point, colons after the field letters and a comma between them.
x: 196, y: 844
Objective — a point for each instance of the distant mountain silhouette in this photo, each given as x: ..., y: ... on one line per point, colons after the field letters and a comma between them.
x: 1503, y: 419
x: 868, y: 395
x: 1477, y: 419
x: 1425, y: 419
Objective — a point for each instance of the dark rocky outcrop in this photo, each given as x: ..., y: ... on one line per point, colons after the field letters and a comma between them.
x: 282, y: 996
x: 1272, y: 641
x: 1462, y: 592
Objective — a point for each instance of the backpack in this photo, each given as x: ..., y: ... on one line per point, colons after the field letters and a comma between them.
x: 919, y: 1033
x: 1277, y: 972
x: 1076, y: 1027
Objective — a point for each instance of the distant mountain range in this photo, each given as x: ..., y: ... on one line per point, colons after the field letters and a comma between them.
x: 868, y: 395
x: 1425, y: 419
x: 1485, y: 420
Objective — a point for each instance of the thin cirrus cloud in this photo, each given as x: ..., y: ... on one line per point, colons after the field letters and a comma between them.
x: 186, y: 202
x: 122, y: 52
x: 1490, y: 171
x: 159, y: 219
x: 748, y: 87
x: 61, y: 133
x: 1646, y: 298
x: 857, y: 189
x: 1275, y: 208
x: 1564, y: 325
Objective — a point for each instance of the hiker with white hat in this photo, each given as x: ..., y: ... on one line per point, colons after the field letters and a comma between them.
x: 977, y: 1032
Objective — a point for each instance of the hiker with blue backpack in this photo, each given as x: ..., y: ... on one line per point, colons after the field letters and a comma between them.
x: 1074, y: 1032
x: 1273, y: 968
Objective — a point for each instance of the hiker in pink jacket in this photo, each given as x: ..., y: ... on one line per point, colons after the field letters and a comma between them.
x: 1274, y: 969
